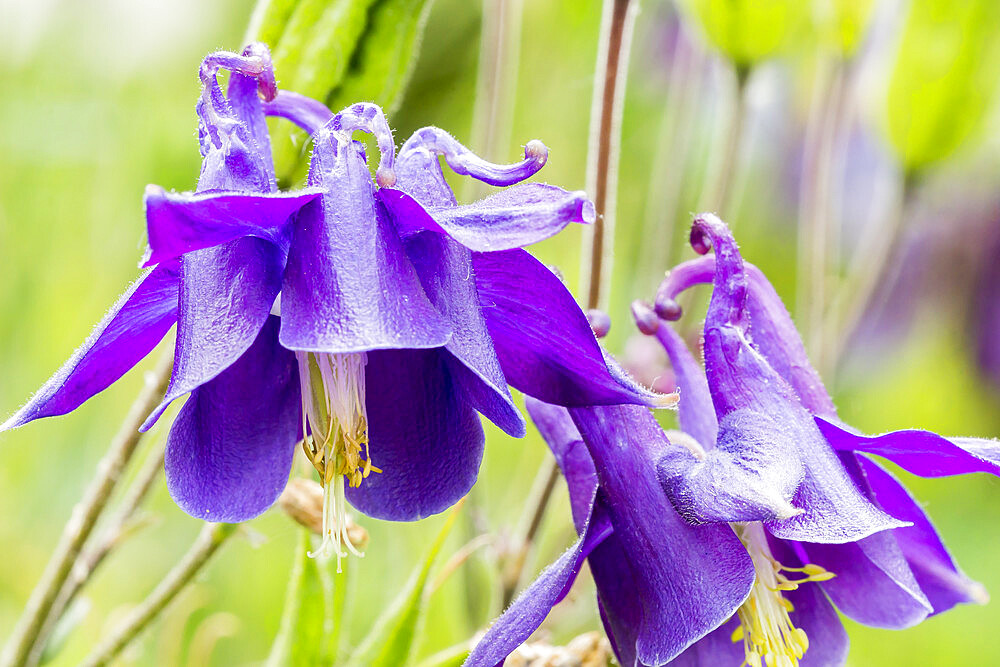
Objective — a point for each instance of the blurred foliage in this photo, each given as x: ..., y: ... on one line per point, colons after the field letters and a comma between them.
x: 99, y: 101
x: 313, y: 612
x: 945, y: 78
x: 844, y: 23
x: 748, y: 31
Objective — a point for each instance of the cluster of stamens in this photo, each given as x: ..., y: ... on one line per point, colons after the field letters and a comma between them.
x: 769, y: 637
x: 333, y: 407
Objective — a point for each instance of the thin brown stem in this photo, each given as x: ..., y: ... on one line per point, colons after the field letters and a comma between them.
x: 617, y: 25
x: 122, y: 524
x: 531, y: 521
x: 211, y: 537
x: 83, y: 519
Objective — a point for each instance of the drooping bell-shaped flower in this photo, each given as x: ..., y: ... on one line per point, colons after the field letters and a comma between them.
x: 892, y: 578
x: 303, y: 318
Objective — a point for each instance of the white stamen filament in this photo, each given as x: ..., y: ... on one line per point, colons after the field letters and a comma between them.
x: 769, y: 636
x: 333, y: 404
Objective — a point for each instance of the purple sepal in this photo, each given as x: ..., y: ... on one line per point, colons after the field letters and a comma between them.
x: 919, y: 452
x: 230, y: 449
x: 226, y: 295
x: 444, y: 268
x: 422, y: 433
x: 445, y: 271
x: 771, y: 330
x: 179, y: 223
x: 527, y: 612
x: 940, y: 579
x: 672, y: 563
x: 130, y: 330
x: 513, y: 218
x: 768, y: 442
x: 543, y: 340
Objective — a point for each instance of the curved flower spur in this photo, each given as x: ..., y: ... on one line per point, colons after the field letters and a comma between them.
x: 236, y: 167
x: 892, y: 578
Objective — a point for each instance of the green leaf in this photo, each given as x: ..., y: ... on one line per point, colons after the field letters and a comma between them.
x: 268, y: 21
x: 748, y: 31
x: 310, y: 56
x: 391, y: 642
x: 314, y: 606
x: 453, y: 656
x: 387, y: 54
x: 944, y: 79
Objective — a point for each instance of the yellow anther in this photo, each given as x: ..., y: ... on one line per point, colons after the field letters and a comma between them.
x: 769, y: 637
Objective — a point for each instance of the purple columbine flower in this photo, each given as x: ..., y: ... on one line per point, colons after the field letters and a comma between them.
x: 328, y: 317
x: 756, y: 370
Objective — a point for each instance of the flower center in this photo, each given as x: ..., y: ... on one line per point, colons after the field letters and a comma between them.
x: 768, y: 635
x: 333, y: 403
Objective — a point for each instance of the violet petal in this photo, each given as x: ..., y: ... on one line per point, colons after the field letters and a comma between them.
x: 230, y: 449
x: 130, y: 330
x: 527, y: 612
x: 349, y: 286
x: 422, y: 433
x: 940, y: 579
x: 919, y: 452
x: 226, y: 294
x: 673, y: 563
x: 178, y: 223
x: 543, y: 340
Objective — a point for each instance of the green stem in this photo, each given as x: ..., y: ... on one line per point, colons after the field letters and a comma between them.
x: 496, y: 82
x: 121, y: 525
x: 815, y: 200
x: 211, y: 537
x: 83, y: 519
x: 718, y: 193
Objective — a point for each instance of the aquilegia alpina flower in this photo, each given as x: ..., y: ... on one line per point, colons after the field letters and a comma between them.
x: 890, y: 578
x: 301, y: 317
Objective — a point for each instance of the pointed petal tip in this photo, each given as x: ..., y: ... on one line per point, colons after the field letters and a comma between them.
x: 16, y: 420
x: 977, y: 593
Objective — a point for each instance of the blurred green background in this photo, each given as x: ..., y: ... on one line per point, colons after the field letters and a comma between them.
x: 98, y: 100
